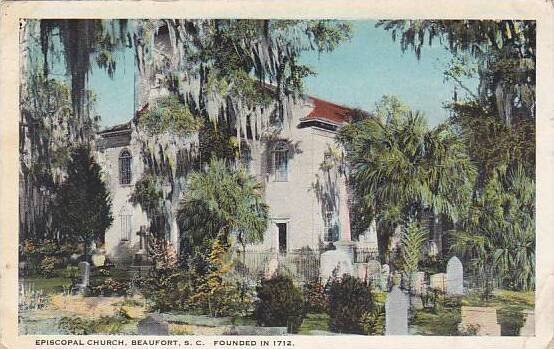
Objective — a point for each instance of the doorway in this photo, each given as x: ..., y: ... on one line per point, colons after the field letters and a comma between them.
x: 282, y: 228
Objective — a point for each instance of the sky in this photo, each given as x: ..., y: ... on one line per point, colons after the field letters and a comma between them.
x: 356, y: 74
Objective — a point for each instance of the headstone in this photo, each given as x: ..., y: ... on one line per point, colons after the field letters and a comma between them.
x: 480, y: 321
x: 417, y: 283
x: 256, y: 331
x: 368, y: 239
x: 432, y: 249
x: 385, y: 275
x: 84, y: 276
x: 454, y: 277
x: 272, y: 268
x: 416, y: 302
x: 84, y: 269
x: 528, y: 328
x: 141, y: 257
x: 361, y: 271
x: 99, y: 258
x: 373, y: 271
x: 438, y: 282
x: 153, y: 325
x: 335, y: 262
x: 396, y: 313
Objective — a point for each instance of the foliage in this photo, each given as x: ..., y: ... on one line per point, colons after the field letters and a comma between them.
x: 492, y: 144
x: 217, y: 292
x: 48, y: 130
x: 48, y: 264
x: 351, y: 305
x: 43, y: 253
x: 412, y: 242
x: 76, y: 325
x: 167, y: 287
x: 315, y: 297
x: 216, y: 142
x: 373, y: 322
x: 148, y: 194
x: 222, y: 201
x: 83, y: 206
x: 168, y: 114
x: 503, y: 50
x: 109, y: 287
x: 443, y: 323
x: 499, y: 235
x: 280, y: 303
x: 399, y: 168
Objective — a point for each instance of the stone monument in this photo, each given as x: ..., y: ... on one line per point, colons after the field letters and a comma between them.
x: 454, y: 277
x: 396, y: 313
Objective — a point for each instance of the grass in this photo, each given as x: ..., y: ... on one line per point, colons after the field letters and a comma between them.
x: 509, y: 306
x: 55, y: 284
x: 51, y: 285
x: 444, y: 322
x: 314, y: 322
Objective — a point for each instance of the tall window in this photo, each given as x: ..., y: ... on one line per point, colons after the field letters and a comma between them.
x: 125, y: 167
x: 125, y: 221
x: 281, y: 161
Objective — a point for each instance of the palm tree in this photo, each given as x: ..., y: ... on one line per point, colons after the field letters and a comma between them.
x: 220, y: 202
x: 400, y: 168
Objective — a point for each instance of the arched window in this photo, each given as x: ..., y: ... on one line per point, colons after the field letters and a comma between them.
x: 125, y: 167
x: 281, y: 161
x: 125, y: 221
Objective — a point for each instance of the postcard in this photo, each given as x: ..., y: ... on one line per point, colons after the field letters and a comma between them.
x: 276, y: 174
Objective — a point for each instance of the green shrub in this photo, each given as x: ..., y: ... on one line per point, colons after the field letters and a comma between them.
x: 315, y: 298
x: 48, y: 265
x: 109, y: 287
x: 103, y: 325
x: 350, y: 300
x: 373, y: 322
x: 280, y: 304
x: 218, y: 290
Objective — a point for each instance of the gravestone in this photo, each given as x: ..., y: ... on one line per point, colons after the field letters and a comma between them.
x: 528, y: 328
x: 396, y: 313
x: 438, y: 282
x: 335, y: 262
x: 361, y: 271
x: 99, y: 258
x: 481, y: 320
x: 385, y: 275
x: 256, y: 331
x: 454, y: 277
x: 416, y: 302
x: 432, y: 249
x: 272, y: 268
x: 153, y: 325
x: 84, y: 276
x: 84, y: 269
x: 417, y: 283
x: 369, y: 237
x: 373, y: 271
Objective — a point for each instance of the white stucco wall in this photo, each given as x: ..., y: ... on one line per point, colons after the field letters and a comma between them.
x: 121, y: 251
x: 295, y: 201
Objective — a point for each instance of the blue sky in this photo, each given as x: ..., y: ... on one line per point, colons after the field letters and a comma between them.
x: 357, y: 74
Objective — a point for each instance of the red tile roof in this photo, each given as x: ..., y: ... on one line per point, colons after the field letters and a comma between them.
x: 327, y: 111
